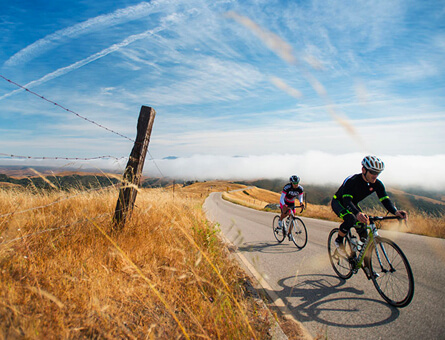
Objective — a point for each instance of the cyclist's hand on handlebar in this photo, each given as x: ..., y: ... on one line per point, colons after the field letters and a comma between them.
x: 361, y: 217
x: 402, y: 214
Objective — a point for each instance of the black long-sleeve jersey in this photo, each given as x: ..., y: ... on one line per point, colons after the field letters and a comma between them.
x: 354, y: 189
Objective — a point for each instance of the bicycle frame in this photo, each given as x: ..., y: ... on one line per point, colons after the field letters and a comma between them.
x: 293, y: 211
x: 292, y: 215
x: 372, y: 235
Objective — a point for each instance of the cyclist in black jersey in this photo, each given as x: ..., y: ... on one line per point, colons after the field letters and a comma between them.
x: 290, y: 192
x: 353, y: 190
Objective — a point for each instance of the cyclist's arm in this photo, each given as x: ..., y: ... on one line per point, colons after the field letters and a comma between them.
x: 283, y: 194
x: 387, y: 203
x: 349, y: 204
x: 384, y: 198
x: 348, y: 190
x: 300, y: 196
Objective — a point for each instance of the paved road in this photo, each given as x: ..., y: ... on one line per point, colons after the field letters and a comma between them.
x: 325, y: 304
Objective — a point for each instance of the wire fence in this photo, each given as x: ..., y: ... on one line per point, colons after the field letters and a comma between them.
x: 68, y: 110
x: 82, y: 117
x: 60, y: 200
x: 64, y: 158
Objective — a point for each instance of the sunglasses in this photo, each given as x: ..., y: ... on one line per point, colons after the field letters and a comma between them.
x: 295, y: 183
x: 374, y: 173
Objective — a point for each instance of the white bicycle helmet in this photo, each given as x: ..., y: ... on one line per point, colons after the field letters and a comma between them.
x: 294, y: 179
x: 373, y: 163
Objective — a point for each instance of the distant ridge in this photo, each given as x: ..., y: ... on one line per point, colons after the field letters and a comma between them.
x: 428, y: 202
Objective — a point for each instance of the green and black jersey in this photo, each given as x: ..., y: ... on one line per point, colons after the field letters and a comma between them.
x: 354, y: 189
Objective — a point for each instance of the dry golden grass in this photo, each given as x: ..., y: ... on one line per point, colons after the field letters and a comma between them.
x: 166, y: 275
x: 252, y: 197
x: 419, y: 223
x: 201, y: 190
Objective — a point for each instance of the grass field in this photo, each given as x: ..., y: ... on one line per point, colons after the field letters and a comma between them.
x: 166, y: 275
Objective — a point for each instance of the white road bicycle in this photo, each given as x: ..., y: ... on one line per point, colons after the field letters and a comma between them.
x: 380, y: 258
x: 293, y: 227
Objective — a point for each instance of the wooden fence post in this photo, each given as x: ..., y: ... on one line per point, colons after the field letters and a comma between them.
x: 133, y: 172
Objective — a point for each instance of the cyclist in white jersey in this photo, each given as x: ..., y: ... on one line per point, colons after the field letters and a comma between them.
x: 290, y: 192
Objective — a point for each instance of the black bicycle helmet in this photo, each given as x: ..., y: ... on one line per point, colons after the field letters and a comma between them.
x: 294, y: 179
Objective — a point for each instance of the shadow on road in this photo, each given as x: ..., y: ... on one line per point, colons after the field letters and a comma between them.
x: 269, y: 247
x: 328, y: 300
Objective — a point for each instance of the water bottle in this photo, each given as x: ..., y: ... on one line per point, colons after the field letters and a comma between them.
x: 359, y: 245
x: 354, y: 243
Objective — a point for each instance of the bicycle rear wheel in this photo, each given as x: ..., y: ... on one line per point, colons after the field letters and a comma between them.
x: 278, y: 232
x: 340, y: 264
x: 299, y: 232
x: 391, y: 273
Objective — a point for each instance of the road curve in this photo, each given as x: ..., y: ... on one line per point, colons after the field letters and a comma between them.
x: 322, y: 302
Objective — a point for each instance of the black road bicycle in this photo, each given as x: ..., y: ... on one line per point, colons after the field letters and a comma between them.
x: 380, y: 258
x: 293, y: 227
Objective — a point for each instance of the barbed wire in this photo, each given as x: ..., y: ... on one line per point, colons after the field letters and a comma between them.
x: 80, y: 158
x: 156, y: 165
x: 68, y: 110
x: 53, y: 229
x: 57, y: 201
x: 64, y: 158
x: 78, y: 115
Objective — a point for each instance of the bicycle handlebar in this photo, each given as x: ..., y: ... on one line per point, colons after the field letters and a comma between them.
x: 372, y: 219
x: 293, y: 210
x: 380, y: 218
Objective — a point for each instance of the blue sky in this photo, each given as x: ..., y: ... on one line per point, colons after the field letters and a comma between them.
x: 305, y: 87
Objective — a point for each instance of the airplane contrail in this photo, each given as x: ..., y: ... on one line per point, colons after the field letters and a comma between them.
x: 46, y: 43
x: 79, y: 64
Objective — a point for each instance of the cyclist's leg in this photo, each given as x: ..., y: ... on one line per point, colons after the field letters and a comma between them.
x: 348, y: 218
x: 361, y: 228
x: 284, y: 211
x: 361, y: 231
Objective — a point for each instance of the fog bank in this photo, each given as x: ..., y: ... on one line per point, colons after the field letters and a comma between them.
x: 313, y: 167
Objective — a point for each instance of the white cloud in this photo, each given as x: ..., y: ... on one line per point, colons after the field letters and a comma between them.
x: 313, y: 167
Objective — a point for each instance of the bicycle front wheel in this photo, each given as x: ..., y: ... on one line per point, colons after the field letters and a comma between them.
x: 299, y: 233
x: 277, y: 231
x: 340, y: 264
x: 391, y: 273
